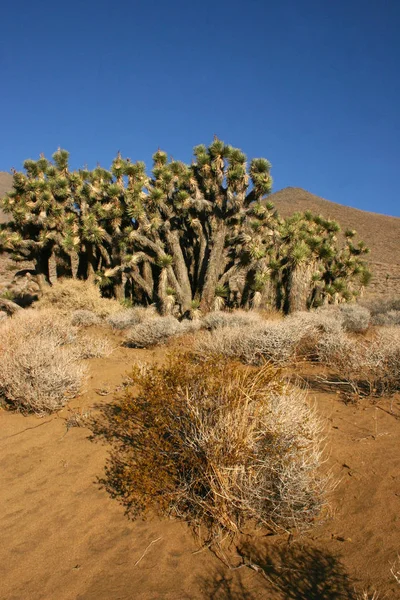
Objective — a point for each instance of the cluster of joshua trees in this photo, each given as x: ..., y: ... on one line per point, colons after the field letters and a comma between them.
x: 186, y: 237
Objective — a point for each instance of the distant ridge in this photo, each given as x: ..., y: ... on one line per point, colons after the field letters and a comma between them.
x: 380, y: 232
x: 6, y: 180
x: 5, y: 186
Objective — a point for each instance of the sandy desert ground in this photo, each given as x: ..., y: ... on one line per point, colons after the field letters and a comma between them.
x: 64, y: 538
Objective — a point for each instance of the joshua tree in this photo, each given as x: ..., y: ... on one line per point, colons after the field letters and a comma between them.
x: 191, y: 234
x: 37, y: 205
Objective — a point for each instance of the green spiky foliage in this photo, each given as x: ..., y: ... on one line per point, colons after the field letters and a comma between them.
x: 187, y: 237
x: 189, y: 221
x: 316, y: 268
x: 37, y: 206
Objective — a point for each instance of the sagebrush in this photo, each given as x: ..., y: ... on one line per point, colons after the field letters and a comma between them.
x: 39, y: 361
x: 69, y: 295
x: 158, y: 330
x: 214, y: 443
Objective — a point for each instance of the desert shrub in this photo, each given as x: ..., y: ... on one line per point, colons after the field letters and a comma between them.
x: 338, y: 351
x: 351, y: 317
x: 383, y: 361
x: 252, y: 345
x: 384, y: 311
x: 239, y: 318
x: 380, y: 305
x: 215, y: 443
x: 70, y: 295
x: 124, y: 319
x: 45, y: 323
x: 89, y: 346
x: 188, y: 326
x: 392, y: 317
x: 153, y: 332
x: 369, y: 367
x: 280, y: 342
x: 356, y: 318
x: 39, y: 366
x: 84, y: 318
x: 157, y: 331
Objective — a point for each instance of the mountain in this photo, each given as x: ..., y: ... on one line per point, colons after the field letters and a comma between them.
x: 5, y: 186
x: 381, y: 233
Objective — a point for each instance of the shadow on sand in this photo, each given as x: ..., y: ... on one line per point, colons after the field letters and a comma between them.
x: 292, y: 572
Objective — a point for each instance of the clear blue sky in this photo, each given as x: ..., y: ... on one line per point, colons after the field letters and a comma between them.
x: 312, y: 85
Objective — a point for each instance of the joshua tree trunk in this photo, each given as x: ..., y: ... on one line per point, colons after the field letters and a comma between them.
x: 299, y: 286
x: 162, y: 293
x: 87, y: 262
x: 42, y: 268
x: 91, y: 270
x: 180, y: 270
x: 74, y: 265
x: 215, y: 266
x: 52, y: 268
x: 118, y: 283
x: 269, y: 295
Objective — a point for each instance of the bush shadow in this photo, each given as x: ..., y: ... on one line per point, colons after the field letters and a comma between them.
x: 292, y: 572
x: 104, y: 429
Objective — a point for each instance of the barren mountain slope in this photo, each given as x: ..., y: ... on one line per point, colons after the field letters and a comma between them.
x: 5, y: 186
x: 381, y: 233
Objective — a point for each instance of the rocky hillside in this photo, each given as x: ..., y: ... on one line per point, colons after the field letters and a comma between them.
x: 5, y: 186
x: 381, y: 233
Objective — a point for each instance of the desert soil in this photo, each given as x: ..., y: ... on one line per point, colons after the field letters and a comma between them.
x: 64, y: 538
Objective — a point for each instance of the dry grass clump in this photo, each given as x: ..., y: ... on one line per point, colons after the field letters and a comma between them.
x: 337, y: 350
x: 84, y: 318
x: 90, y: 346
x: 390, y: 318
x: 384, y: 311
x: 383, y: 360
x: 39, y: 367
x: 369, y: 367
x: 280, y: 342
x: 215, y: 443
x: 129, y: 317
x: 355, y: 318
x: 238, y: 318
x: 68, y: 295
x: 157, y: 331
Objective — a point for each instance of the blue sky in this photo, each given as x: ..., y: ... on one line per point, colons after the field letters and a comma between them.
x: 312, y: 85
